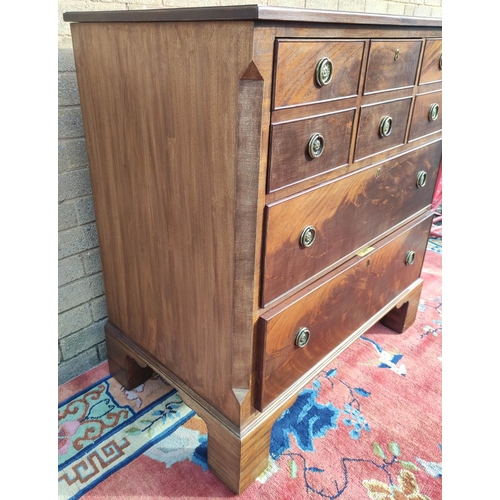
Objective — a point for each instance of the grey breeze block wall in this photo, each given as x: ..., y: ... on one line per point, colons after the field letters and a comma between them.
x: 82, y: 304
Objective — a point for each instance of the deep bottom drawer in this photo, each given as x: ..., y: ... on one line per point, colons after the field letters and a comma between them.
x: 334, y: 307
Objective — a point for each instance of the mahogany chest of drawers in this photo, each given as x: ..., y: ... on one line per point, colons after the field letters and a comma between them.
x: 262, y: 179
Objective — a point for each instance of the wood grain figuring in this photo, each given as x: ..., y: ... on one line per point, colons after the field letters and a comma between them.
x: 420, y: 123
x: 346, y: 213
x: 290, y: 161
x: 332, y: 311
x: 431, y: 71
x: 369, y: 141
x: 163, y: 179
x: 385, y: 70
x: 296, y: 62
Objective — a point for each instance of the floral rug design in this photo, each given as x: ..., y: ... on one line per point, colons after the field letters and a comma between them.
x: 368, y: 427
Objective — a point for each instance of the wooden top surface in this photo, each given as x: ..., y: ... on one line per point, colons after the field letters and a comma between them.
x: 249, y: 12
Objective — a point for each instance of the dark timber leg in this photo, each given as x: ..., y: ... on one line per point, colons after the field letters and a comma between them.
x: 124, y: 368
x: 403, y: 315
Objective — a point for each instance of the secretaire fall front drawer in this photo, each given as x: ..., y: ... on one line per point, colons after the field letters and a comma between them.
x: 392, y: 64
x: 306, y: 233
x: 302, y: 330
x: 308, y: 71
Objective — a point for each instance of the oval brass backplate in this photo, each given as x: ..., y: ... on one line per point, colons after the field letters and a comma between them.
x: 307, y: 236
x: 324, y: 71
x: 421, y: 178
x: 385, y: 128
x: 316, y: 145
x: 410, y: 258
x: 433, y: 112
x: 302, y: 337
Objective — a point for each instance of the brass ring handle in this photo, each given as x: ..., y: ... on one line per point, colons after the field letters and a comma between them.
x: 316, y: 145
x: 324, y: 71
x: 421, y: 178
x: 410, y: 258
x: 385, y: 128
x: 433, y: 112
x: 396, y: 54
x: 302, y: 337
x: 307, y: 236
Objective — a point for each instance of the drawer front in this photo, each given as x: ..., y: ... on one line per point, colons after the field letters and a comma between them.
x: 334, y: 309
x: 304, y: 148
x: 346, y: 214
x: 427, y: 115
x: 432, y: 62
x: 310, y: 71
x: 382, y: 126
x: 392, y: 64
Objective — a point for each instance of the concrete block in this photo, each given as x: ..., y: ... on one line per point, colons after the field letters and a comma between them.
x: 141, y: 4
x: 78, y: 292
x: 98, y: 308
x: 70, y: 123
x: 66, y: 216
x: 72, y: 154
x: 376, y: 6
x: 102, y: 351
x: 77, y: 239
x: 68, y: 89
x: 422, y: 11
x: 92, y: 261
x: 322, y: 4
x: 74, y: 184
x: 78, y: 342
x: 352, y: 5
x: 75, y: 319
x: 65, y: 55
x: 85, y: 210
x: 73, y: 367
x: 395, y: 8
x: 288, y: 3
x: 193, y: 3
x: 70, y: 269
x: 437, y: 12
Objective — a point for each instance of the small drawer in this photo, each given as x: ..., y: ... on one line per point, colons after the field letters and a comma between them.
x: 326, y: 313
x: 304, y: 148
x: 310, y: 231
x: 427, y: 115
x: 381, y: 126
x: 432, y: 63
x: 310, y: 71
x: 392, y: 64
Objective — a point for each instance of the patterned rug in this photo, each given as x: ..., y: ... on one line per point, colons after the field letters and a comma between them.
x: 369, y: 427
